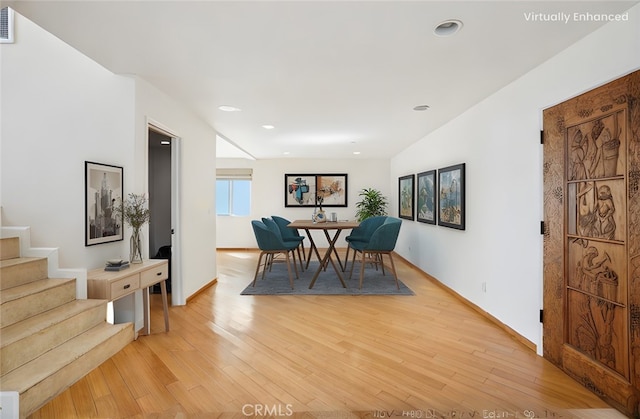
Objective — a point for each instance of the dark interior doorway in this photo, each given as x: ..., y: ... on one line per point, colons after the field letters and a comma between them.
x: 160, y: 229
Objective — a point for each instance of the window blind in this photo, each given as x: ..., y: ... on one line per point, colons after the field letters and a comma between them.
x: 238, y: 173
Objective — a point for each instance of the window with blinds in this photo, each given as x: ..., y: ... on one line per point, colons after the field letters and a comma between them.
x: 233, y: 192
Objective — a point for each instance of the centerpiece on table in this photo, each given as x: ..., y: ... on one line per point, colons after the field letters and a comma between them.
x: 321, y: 217
x: 135, y: 212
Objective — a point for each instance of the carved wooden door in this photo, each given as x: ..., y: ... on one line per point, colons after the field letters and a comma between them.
x: 592, y: 240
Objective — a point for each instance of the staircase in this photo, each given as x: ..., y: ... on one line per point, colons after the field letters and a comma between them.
x: 48, y: 338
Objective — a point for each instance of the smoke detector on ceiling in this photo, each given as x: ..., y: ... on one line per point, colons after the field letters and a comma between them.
x: 448, y: 27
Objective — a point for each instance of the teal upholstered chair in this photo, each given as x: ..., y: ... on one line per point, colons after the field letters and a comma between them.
x: 293, y: 244
x: 289, y: 234
x: 363, y: 232
x: 271, y: 244
x: 382, y: 242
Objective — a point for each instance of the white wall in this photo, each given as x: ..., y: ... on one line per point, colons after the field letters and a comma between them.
x: 268, y: 192
x: 197, y: 234
x: 59, y: 109
x: 499, y: 140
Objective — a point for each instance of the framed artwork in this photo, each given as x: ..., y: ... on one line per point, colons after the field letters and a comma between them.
x: 103, y: 189
x: 311, y: 190
x: 426, y: 196
x: 405, y: 196
x: 451, y: 208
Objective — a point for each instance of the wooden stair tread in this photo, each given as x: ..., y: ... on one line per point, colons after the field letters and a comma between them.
x: 48, y: 338
x: 37, y: 323
x: 20, y: 291
x: 28, y: 375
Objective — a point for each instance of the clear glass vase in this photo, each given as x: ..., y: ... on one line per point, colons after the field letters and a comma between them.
x: 135, y: 249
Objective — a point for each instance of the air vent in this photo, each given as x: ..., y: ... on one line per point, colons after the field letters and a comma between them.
x: 6, y: 25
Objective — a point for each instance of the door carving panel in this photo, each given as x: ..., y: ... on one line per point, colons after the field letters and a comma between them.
x: 592, y: 239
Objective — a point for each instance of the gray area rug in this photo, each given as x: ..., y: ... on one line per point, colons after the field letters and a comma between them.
x: 276, y: 282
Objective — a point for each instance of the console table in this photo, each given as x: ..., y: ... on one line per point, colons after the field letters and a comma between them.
x: 110, y: 285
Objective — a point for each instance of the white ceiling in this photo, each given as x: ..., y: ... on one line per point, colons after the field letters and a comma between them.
x: 333, y: 77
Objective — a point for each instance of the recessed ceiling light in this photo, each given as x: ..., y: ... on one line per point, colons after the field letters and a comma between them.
x: 228, y: 108
x: 286, y: 153
x: 421, y: 108
x: 356, y: 152
x: 448, y: 27
x: 268, y: 127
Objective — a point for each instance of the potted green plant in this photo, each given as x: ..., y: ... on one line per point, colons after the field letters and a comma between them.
x: 373, y: 203
x: 135, y: 212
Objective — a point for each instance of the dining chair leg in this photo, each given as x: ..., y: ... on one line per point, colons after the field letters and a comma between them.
x: 346, y: 259
x: 267, y: 258
x: 289, y: 270
x: 300, y: 258
x: 362, y: 270
x: 375, y: 259
x: 393, y: 269
x: 379, y: 255
x: 295, y: 264
x: 269, y: 262
x: 353, y: 263
x: 255, y: 277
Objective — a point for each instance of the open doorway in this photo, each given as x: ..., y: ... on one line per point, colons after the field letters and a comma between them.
x: 163, y: 177
x: 163, y: 186
x: 160, y: 198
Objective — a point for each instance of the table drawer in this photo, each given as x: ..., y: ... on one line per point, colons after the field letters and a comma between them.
x: 125, y: 286
x: 153, y: 276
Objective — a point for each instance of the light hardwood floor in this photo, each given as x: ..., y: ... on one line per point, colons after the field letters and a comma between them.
x: 422, y: 356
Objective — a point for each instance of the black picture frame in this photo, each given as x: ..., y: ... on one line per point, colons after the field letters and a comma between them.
x: 427, y: 197
x: 406, y: 192
x: 303, y: 189
x: 451, y: 196
x: 104, y: 188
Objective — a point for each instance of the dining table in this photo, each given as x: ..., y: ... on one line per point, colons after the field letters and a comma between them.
x: 326, y: 227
